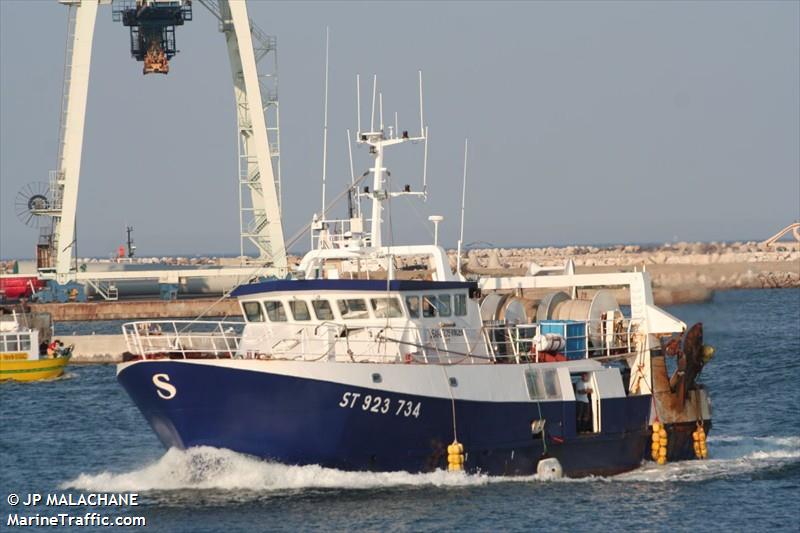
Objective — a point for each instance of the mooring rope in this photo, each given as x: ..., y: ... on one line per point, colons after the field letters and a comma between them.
x: 452, y: 401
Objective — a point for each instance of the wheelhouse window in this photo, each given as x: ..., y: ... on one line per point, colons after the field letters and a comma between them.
x: 25, y: 342
x: 322, y: 308
x: 460, y: 304
x: 543, y: 384
x: 12, y: 343
x: 275, y: 310
x: 299, y: 310
x: 412, y: 304
x: 429, y: 304
x: 253, y: 312
x: 353, y: 309
x: 386, y: 307
x: 444, y: 305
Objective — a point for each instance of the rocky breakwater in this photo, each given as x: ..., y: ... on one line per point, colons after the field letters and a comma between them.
x: 681, y: 272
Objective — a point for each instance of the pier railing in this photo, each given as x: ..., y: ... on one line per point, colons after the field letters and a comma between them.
x: 334, y: 341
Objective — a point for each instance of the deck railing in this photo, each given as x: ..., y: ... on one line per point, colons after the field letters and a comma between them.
x: 185, y: 339
x: 340, y: 232
x: 334, y: 341
x: 600, y: 338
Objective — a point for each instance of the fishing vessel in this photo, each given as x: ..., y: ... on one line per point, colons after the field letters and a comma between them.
x: 382, y: 357
x: 22, y: 357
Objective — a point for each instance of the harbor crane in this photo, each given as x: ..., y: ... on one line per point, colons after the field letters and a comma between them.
x: 152, y: 26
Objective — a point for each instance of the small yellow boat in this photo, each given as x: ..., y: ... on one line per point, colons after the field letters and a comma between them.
x: 22, y: 359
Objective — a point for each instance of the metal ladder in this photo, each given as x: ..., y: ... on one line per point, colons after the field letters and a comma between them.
x: 56, y: 177
x: 72, y: 13
x: 107, y: 290
x: 251, y: 220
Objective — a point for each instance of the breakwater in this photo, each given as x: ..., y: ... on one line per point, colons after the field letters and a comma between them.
x: 681, y: 272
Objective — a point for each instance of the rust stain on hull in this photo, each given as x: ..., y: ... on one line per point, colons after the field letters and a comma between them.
x: 677, y: 406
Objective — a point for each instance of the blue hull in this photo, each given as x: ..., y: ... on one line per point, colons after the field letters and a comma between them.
x: 304, y: 421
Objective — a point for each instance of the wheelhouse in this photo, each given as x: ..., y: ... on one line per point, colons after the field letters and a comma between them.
x: 360, y: 302
x: 361, y: 320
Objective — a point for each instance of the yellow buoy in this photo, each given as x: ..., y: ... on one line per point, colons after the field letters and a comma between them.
x: 455, y: 456
x: 708, y: 353
x: 659, y: 445
x: 699, y: 437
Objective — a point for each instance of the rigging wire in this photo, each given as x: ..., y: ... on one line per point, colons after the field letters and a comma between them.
x: 262, y: 266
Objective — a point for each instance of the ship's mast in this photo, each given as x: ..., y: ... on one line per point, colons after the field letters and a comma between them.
x: 327, y: 233
x: 378, y: 140
x: 380, y: 192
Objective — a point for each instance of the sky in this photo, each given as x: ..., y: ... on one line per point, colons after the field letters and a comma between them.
x: 597, y: 122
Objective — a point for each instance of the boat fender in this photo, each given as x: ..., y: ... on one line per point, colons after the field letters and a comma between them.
x: 549, y: 469
x: 455, y: 457
x: 659, y: 446
x: 708, y: 353
x: 699, y: 438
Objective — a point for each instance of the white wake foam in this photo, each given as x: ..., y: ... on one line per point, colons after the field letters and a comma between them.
x: 728, y: 456
x: 212, y: 468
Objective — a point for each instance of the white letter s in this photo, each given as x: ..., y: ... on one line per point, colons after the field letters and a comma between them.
x: 165, y: 390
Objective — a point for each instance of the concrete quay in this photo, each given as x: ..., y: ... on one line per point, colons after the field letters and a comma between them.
x: 95, y: 349
x: 139, y: 309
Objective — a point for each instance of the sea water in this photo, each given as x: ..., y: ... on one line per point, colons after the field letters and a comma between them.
x: 81, y: 434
